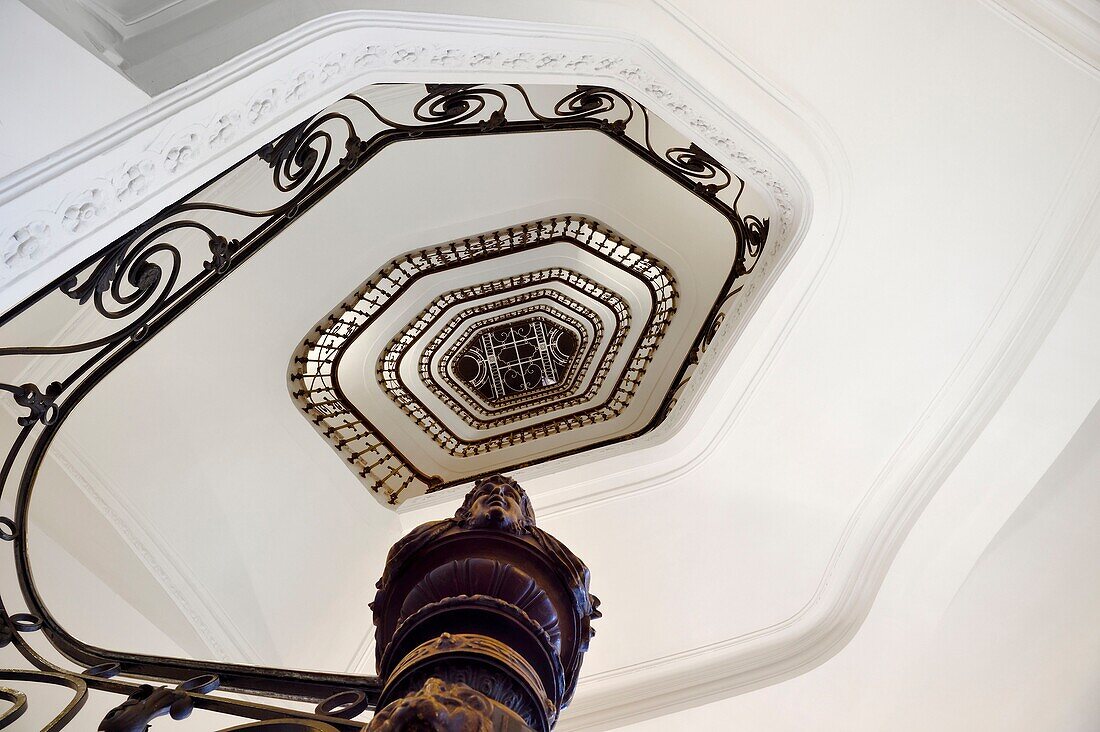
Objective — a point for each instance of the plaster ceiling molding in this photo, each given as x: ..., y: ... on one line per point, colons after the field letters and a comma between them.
x: 222, y: 637
x: 213, y: 624
x: 184, y: 136
x: 1035, y: 294
x: 892, y: 505
x: 130, y: 12
x: 127, y: 266
x: 726, y: 219
x: 332, y: 374
x: 995, y: 484
x: 1073, y: 26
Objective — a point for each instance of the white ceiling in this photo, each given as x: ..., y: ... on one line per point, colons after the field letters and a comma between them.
x: 917, y: 350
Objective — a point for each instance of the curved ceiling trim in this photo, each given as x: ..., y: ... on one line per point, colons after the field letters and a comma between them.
x: 1069, y: 27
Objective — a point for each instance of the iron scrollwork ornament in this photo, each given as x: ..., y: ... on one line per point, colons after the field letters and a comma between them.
x: 41, y: 403
x: 694, y: 163
x: 222, y: 250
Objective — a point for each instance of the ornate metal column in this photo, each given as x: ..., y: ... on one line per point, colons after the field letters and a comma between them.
x: 481, y: 620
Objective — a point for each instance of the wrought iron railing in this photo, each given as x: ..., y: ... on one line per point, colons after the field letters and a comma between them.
x: 143, y: 281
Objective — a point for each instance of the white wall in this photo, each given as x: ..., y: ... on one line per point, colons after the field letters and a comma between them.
x: 54, y: 92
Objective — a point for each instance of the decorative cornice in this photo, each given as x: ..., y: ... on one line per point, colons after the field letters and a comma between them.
x: 1023, y: 315
x: 1030, y: 303
x: 51, y: 206
x: 492, y: 48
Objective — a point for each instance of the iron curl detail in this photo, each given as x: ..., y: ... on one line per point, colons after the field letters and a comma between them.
x: 298, y: 161
x: 695, y: 163
x: 18, y: 705
x: 133, y: 279
x: 356, y: 149
x: 276, y: 152
x: 125, y: 264
x: 585, y: 103
x: 756, y: 234
x: 594, y: 101
x: 454, y: 104
x: 132, y: 273
x: 299, y: 157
